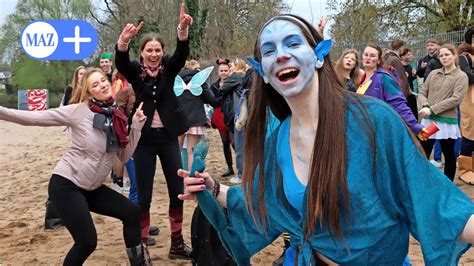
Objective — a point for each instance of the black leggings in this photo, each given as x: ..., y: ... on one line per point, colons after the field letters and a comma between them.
x: 226, y: 143
x: 158, y: 142
x: 74, y: 205
x: 447, y: 147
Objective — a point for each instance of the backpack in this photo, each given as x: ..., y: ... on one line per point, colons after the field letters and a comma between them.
x: 227, y: 109
x: 207, y: 247
x: 241, y: 113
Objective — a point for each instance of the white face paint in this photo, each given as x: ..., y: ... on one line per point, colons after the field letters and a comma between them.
x: 288, y: 61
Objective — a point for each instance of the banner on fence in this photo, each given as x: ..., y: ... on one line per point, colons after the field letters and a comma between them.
x: 33, y: 100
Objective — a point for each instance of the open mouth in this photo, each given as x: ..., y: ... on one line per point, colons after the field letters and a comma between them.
x: 287, y: 74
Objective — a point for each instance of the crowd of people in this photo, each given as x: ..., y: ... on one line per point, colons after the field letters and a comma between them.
x: 335, y: 156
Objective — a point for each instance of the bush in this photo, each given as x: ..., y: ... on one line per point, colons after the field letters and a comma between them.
x: 8, y: 100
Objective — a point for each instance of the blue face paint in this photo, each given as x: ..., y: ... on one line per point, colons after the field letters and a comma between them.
x: 287, y: 58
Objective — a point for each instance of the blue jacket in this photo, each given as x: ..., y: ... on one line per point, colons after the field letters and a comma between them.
x: 384, y: 87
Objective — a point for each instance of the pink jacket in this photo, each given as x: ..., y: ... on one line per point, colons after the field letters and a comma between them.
x: 86, y: 162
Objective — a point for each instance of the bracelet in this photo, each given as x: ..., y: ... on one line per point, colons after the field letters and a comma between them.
x: 126, y: 43
x: 216, y: 189
x: 179, y: 29
x: 431, y: 110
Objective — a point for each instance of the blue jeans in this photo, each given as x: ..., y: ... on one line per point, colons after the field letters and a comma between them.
x: 133, y: 193
x: 437, y: 151
x: 239, y: 149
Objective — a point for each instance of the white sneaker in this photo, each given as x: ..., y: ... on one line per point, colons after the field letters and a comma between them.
x: 236, y: 180
x: 116, y: 187
x: 437, y: 164
x: 125, y: 188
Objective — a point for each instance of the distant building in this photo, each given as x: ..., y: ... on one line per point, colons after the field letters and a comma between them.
x: 5, y: 77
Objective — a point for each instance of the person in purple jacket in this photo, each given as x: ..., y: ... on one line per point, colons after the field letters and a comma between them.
x: 98, y: 134
x: 378, y: 82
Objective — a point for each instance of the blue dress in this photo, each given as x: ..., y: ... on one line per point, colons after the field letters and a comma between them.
x: 406, y: 196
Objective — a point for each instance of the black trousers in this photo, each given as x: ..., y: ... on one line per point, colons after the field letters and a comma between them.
x: 467, y: 147
x: 158, y: 142
x: 447, y: 147
x: 74, y: 205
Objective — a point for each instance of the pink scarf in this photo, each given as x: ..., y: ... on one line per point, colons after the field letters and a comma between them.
x: 153, y: 72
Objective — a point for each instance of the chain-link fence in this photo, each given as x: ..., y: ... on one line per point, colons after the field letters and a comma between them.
x: 418, y: 45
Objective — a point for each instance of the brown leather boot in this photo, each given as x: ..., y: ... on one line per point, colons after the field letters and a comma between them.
x: 465, y: 169
x: 178, y: 249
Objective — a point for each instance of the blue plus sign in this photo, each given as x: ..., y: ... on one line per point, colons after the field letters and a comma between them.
x: 77, y: 39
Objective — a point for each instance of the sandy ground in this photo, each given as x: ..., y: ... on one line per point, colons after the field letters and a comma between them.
x: 27, y: 157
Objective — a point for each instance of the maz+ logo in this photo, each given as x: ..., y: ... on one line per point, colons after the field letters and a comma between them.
x: 59, y: 39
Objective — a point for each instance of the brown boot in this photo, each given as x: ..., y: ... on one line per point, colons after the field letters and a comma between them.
x: 178, y: 249
x: 465, y: 167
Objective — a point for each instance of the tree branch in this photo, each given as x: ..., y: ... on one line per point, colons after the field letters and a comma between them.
x: 98, y: 20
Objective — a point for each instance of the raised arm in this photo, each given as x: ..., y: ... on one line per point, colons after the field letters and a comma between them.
x: 63, y: 116
x: 122, y: 57
x: 179, y: 56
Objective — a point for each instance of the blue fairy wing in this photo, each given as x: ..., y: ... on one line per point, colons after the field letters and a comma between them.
x: 178, y: 86
x: 199, y: 79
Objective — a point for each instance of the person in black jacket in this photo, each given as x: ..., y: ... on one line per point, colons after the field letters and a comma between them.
x: 152, y: 79
x: 217, y: 120
x: 193, y: 107
x: 75, y: 83
x: 422, y: 70
x: 232, y: 90
x: 410, y: 74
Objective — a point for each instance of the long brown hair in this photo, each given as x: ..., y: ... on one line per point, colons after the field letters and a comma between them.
x: 76, y: 83
x: 328, y: 194
x: 355, y: 73
x: 83, y: 93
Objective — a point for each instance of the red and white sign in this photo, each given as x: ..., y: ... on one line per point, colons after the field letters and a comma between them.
x: 37, y: 100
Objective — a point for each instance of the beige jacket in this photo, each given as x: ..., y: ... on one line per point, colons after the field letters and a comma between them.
x: 86, y: 162
x: 443, y: 91
x: 467, y: 114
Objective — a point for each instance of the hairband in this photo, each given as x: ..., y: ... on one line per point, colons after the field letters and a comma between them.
x: 222, y: 61
x: 292, y: 19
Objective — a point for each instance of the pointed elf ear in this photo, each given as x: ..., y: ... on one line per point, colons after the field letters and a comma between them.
x: 256, y: 65
x: 322, y: 50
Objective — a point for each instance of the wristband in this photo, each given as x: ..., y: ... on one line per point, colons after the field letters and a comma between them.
x: 216, y: 189
x: 126, y: 43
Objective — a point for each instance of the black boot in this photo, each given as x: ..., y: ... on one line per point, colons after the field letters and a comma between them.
x: 178, y: 249
x: 139, y: 256
x: 154, y: 230
x: 229, y: 172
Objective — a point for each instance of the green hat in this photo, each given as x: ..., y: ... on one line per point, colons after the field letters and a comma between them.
x: 106, y: 55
